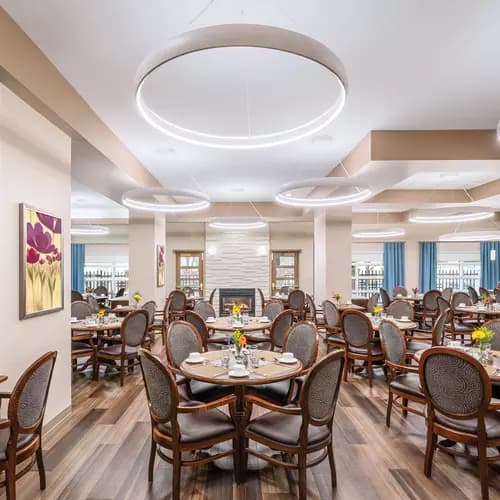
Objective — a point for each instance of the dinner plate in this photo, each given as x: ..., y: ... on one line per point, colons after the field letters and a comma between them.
x: 263, y: 321
x: 210, y: 321
x: 405, y: 320
x: 238, y: 325
x: 288, y: 361
x: 236, y: 374
x: 75, y: 321
x: 195, y: 361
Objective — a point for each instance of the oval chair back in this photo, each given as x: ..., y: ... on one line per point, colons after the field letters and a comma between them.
x: 372, y: 301
x: 494, y: 326
x: 178, y: 301
x: 182, y: 338
x: 399, y: 290
x: 393, y: 343
x: 212, y: 296
x: 81, y: 309
x: 473, y: 294
x: 76, y: 295
x: 280, y: 327
x: 357, y: 328
x: 150, y: 308
x: 439, y: 329
x: 205, y: 309
x: 447, y: 293
x: 100, y: 290
x: 331, y: 315
x: 430, y: 301
x: 311, y: 308
x: 302, y: 340
x: 386, y: 299
x: 483, y: 291
x: 460, y: 298
x: 120, y: 292
x: 297, y: 302
x: 272, y: 309
x: 200, y: 326
x: 92, y: 302
x: 497, y: 295
x: 134, y: 328
x: 400, y: 308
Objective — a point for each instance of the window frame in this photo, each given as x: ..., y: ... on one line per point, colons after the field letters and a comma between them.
x: 274, y: 267
x: 201, y: 269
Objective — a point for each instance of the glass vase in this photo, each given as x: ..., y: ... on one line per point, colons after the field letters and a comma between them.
x: 484, y: 353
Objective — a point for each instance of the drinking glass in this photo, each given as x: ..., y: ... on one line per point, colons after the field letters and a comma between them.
x: 225, y: 356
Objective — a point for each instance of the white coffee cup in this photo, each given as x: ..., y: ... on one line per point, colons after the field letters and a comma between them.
x: 73, y: 318
x: 239, y: 368
x: 210, y: 318
x: 348, y: 302
x: 462, y: 304
x: 288, y: 356
x: 399, y: 295
x: 264, y: 318
x: 404, y: 318
x: 194, y: 356
x: 496, y: 361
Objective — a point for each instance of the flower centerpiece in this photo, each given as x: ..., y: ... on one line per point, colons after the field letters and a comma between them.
x: 236, y: 311
x: 239, y: 341
x: 377, y: 311
x: 415, y: 291
x: 486, y: 300
x: 337, y: 297
x: 100, y: 314
x: 89, y: 289
x: 137, y: 297
x: 483, y: 336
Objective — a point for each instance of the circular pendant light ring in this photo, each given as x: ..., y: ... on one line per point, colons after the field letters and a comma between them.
x: 135, y: 199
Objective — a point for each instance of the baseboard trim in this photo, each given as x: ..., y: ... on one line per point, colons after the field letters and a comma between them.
x: 56, y: 420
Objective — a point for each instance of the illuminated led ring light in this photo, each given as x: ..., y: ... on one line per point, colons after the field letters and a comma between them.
x: 465, y: 216
x: 246, y: 35
x: 471, y: 236
x: 285, y: 196
x: 134, y: 199
x: 89, y: 230
x: 237, y: 224
x: 388, y: 233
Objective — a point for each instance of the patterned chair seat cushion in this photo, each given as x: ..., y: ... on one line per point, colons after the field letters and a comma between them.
x: 408, y: 382
x: 376, y: 349
x: 80, y: 348
x: 22, y: 441
x: 206, y: 392
x: 336, y: 338
x: 277, y: 392
x: 414, y: 346
x: 286, y: 429
x: 492, y: 424
x: 200, y: 426
x: 115, y: 350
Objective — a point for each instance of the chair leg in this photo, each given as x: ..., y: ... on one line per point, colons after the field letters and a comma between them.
x: 96, y: 369
x: 302, y: 476
x: 405, y: 411
x: 10, y: 480
x: 122, y: 372
x: 331, y: 460
x: 483, y: 471
x: 176, y: 476
x: 152, y: 456
x: 389, y: 409
x: 429, y: 450
x: 346, y: 367
x: 240, y: 469
x: 41, y: 467
x: 369, y: 369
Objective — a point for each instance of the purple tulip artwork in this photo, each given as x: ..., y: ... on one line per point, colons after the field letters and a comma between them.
x: 160, y: 265
x: 41, y: 261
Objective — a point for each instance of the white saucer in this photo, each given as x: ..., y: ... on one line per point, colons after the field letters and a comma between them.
x: 405, y: 320
x: 238, y: 325
x: 195, y: 361
x: 264, y: 321
x: 75, y: 320
x: 210, y: 321
x: 287, y: 361
x: 235, y: 374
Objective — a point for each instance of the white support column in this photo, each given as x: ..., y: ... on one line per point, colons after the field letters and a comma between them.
x: 411, y: 264
x: 332, y: 255
x: 144, y: 235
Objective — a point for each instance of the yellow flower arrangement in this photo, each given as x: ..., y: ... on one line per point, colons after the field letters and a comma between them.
x: 236, y: 310
x: 483, y: 335
x: 239, y: 340
x: 137, y: 297
x: 101, y: 313
x: 378, y: 310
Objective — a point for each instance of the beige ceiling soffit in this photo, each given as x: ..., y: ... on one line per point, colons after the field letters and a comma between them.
x: 26, y: 71
x: 421, y: 196
x: 410, y: 145
x: 355, y: 160
x: 379, y: 218
x: 486, y: 190
x: 77, y: 221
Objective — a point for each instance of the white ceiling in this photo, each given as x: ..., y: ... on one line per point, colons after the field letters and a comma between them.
x: 89, y: 204
x: 410, y: 65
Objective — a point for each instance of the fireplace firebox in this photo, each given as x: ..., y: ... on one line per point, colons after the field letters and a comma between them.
x: 228, y: 297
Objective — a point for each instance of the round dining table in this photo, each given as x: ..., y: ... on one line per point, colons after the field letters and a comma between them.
x: 479, y: 312
x: 225, y: 324
x: 84, y: 326
x: 270, y: 370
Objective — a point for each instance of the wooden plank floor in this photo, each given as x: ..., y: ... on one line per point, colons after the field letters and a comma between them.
x: 101, y: 450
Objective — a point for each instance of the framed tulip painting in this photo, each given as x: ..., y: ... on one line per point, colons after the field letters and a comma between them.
x: 41, y: 273
x: 160, y: 266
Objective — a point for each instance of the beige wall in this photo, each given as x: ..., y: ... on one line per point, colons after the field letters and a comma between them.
x: 35, y: 166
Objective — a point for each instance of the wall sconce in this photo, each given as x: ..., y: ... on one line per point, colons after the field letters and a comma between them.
x: 211, y: 250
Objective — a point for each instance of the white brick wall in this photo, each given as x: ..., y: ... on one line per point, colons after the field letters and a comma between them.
x: 237, y: 259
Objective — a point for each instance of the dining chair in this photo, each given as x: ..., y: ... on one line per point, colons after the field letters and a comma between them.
x: 400, y: 308
x: 21, y: 431
x: 440, y: 327
x: 76, y: 295
x: 399, y: 290
x: 82, y: 343
x: 447, y: 294
x: 483, y: 291
x: 132, y: 336
x: 372, y: 302
x: 150, y: 308
x: 473, y: 294
x: 92, y: 302
x: 188, y: 291
x: 121, y: 292
x: 497, y: 295
x: 100, y: 290
x: 455, y: 325
x: 280, y: 326
x: 430, y: 309
x: 182, y: 429
x: 80, y: 309
x: 200, y: 326
x: 360, y: 344
x: 404, y: 383
x: 494, y: 326
x: 178, y: 304
x: 298, y: 431
x: 311, y: 312
x: 182, y: 339
x: 263, y: 301
x: 272, y: 309
x: 333, y: 329
x: 386, y: 298
x: 297, y: 303
x: 301, y: 340
x: 212, y: 296
x: 458, y: 393
x: 284, y: 290
x: 205, y: 309
x: 464, y: 320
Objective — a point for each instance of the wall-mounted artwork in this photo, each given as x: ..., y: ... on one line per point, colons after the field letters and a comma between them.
x: 41, y: 273
x: 160, y: 265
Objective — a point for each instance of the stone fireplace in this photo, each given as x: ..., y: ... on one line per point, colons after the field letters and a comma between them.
x: 244, y: 297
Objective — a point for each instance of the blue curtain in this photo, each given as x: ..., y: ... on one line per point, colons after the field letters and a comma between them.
x: 427, y: 272
x: 490, y: 269
x: 394, y: 265
x: 77, y: 266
